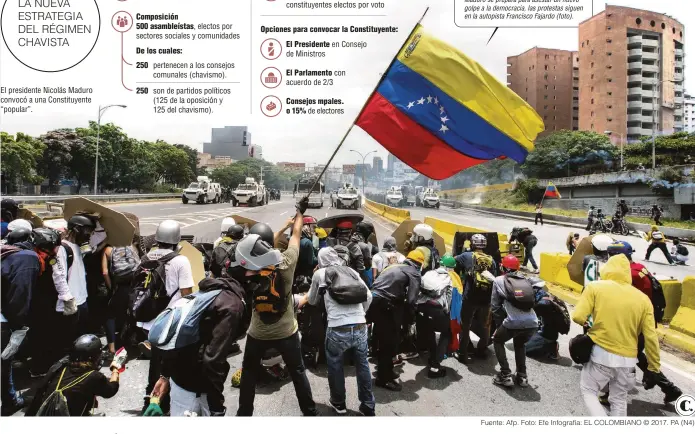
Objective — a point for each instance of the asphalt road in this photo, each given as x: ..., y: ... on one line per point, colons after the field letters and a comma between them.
x: 466, y: 391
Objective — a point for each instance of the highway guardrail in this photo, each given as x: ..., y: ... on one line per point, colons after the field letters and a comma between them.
x: 58, y: 199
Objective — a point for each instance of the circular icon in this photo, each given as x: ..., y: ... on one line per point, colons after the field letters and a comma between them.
x: 271, y: 77
x: 685, y: 405
x: 271, y: 49
x: 122, y: 21
x: 58, y: 41
x: 271, y: 106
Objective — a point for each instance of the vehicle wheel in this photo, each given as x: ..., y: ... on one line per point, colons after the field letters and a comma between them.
x: 437, y: 206
x: 184, y: 200
x: 215, y: 200
x: 608, y: 227
x: 624, y: 230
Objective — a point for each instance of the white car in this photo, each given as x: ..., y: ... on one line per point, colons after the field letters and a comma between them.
x: 347, y: 198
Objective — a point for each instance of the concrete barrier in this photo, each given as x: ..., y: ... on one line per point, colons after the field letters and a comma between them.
x: 374, y: 207
x: 684, y: 320
x: 396, y: 215
x: 672, y: 293
x: 554, y: 270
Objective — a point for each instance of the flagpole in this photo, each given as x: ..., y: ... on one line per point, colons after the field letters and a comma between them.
x: 381, y: 80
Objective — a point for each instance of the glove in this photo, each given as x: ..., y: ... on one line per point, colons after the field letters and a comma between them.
x: 650, y: 379
x: 70, y: 307
x: 302, y: 205
x: 154, y: 409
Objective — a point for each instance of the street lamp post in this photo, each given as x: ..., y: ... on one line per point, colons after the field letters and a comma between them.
x: 96, y: 160
x: 364, y: 158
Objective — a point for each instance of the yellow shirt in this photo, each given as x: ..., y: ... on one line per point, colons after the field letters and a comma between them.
x: 620, y: 312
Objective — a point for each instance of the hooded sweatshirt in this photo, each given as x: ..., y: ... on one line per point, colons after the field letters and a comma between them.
x: 338, y: 314
x: 387, y: 256
x: 20, y: 272
x: 620, y: 313
x: 203, y: 368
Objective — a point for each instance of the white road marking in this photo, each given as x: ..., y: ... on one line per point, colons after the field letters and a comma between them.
x: 164, y: 209
x: 284, y: 213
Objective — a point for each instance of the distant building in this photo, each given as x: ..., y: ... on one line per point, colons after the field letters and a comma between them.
x: 548, y: 80
x: 377, y: 166
x: 255, y: 151
x: 293, y: 167
x: 403, y: 173
x: 233, y: 142
x: 631, y: 73
x: 689, y: 113
x: 362, y: 170
x: 210, y: 163
x: 349, y: 169
x: 390, y: 160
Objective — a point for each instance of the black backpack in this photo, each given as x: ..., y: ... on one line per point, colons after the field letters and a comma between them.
x: 682, y: 250
x: 124, y: 263
x: 268, y: 296
x: 519, y: 292
x: 658, y: 298
x: 344, y: 286
x: 221, y: 258
x: 554, y: 312
x: 149, y: 288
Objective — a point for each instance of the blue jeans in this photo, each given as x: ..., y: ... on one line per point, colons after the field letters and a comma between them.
x: 338, y: 341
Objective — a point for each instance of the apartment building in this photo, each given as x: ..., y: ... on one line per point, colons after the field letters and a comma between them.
x: 689, y: 113
x: 631, y: 73
x: 548, y: 80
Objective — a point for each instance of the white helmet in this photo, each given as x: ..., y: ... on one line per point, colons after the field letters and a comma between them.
x: 252, y: 253
x: 479, y: 241
x: 226, y: 223
x: 19, y: 224
x: 422, y: 232
x: 601, y: 242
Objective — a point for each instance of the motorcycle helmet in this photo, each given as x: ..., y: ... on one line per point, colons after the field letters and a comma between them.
x: 510, y: 263
x: 235, y: 232
x: 422, y: 233
x: 365, y: 228
x: 18, y: 236
x: 600, y: 243
x: 86, y: 348
x: 479, y: 241
x: 168, y: 232
x: 46, y: 239
x: 264, y: 231
x: 621, y: 248
x: 20, y: 224
x: 253, y: 253
x: 226, y: 223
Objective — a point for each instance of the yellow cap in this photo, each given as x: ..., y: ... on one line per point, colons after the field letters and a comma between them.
x: 321, y: 233
x: 416, y: 256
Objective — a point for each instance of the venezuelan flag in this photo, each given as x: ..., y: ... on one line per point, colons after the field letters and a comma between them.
x: 440, y: 112
x: 552, y: 192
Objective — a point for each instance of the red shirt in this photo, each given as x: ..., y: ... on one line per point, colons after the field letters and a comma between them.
x: 640, y: 278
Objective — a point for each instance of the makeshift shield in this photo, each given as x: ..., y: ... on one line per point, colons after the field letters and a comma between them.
x: 196, y: 259
x: 575, y: 264
x: 36, y: 221
x: 119, y: 229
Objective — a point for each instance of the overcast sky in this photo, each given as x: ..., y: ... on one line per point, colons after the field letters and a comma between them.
x: 286, y: 137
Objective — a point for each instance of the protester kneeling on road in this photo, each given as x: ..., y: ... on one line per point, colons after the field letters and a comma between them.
x: 71, y: 386
x: 620, y: 314
x: 194, y: 361
x: 513, y: 298
x: 479, y: 271
x: 347, y: 299
x: 433, y: 307
x: 269, y: 277
x: 395, y: 290
x: 554, y: 319
x: 679, y: 252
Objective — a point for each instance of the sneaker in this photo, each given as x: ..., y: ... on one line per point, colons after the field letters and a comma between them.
x: 366, y: 411
x: 521, y: 380
x: 672, y: 395
x: 37, y: 374
x: 398, y: 360
x: 436, y: 373
x: 603, y: 400
x: 235, y: 348
x: 408, y: 356
x: 145, y: 349
x: 503, y: 380
x: 391, y: 385
x: 339, y: 408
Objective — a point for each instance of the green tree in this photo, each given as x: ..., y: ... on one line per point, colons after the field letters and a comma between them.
x: 19, y: 159
x: 672, y: 150
x: 171, y: 163
x: 111, y: 141
x: 55, y: 162
x: 567, y: 153
x: 192, y: 158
